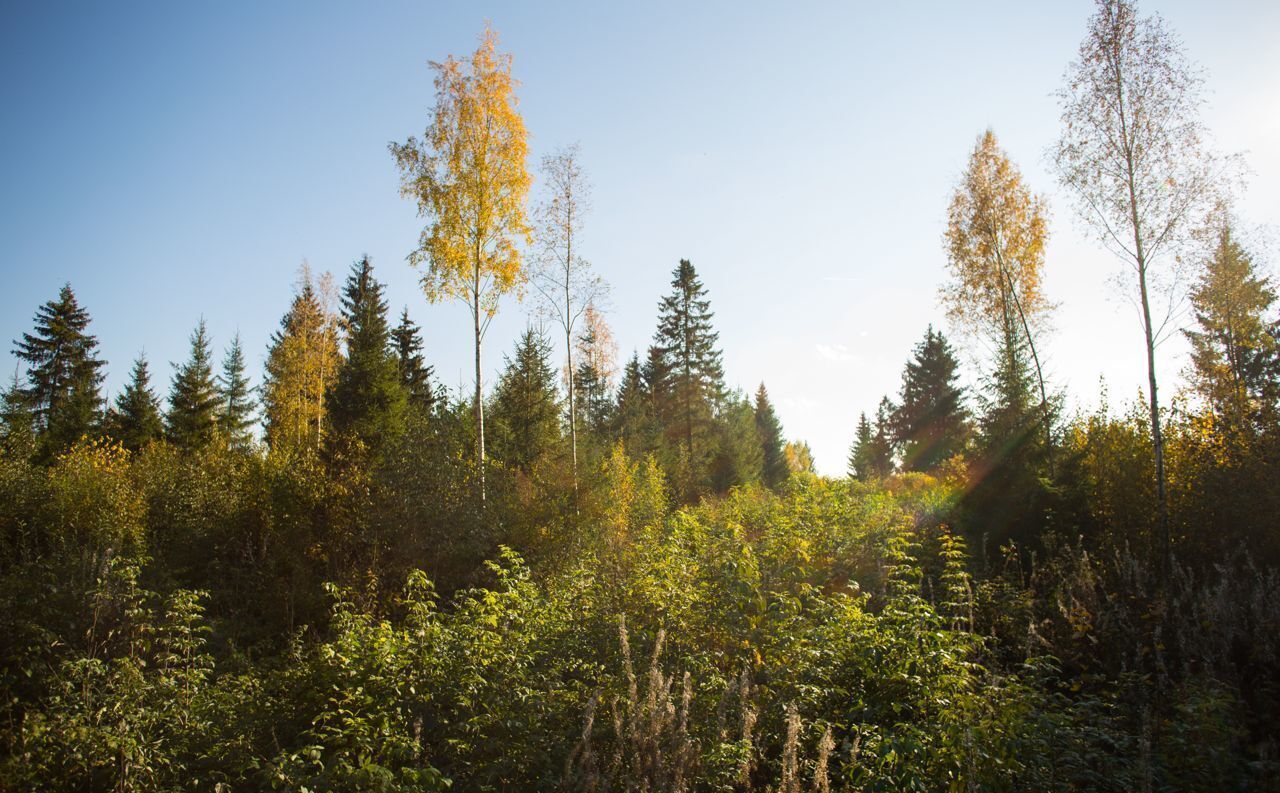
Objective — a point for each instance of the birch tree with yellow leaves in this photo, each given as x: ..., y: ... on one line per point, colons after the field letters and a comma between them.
x: 469, y: 178
x: 995, y: 241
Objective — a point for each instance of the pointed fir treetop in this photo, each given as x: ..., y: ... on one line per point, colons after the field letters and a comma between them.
x: 63, y: 372
x: 193, y: 396
x: 594, y: 405
x: 882, y: 440
x: 655, y: 376
x: 686, y: 374
x: 236, y: 417
x: 526, y: 404
x: 631, y: 389
x: 1231, y: 345
x: 367, y: 399
x: 871, y: 454
x: 17, y: 423
x: 860, y: 450
x: 633, y: 407
x: 931, y: 421
x: 415, y: 374
x: 135, y: 421
x: 686, y: 338
x: 773, y: 445
x: 364, y: 310
x: 1011, y: 411
x: 738, y: 458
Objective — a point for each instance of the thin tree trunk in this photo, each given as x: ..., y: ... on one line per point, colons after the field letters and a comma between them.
x: 573, y: 414
x: 1044, y: 395
x: 1157, y: 436
x: 688, y: 379
x: 568, y: 355
x: 475, y: 315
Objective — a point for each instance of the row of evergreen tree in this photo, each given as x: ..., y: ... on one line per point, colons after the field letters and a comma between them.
x: 348, y: 377
x: 347, y: 380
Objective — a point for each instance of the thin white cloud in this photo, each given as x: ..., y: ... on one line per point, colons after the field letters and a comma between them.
x: 836, y: 352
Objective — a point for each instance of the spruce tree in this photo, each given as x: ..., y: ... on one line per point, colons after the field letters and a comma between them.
x: 1232, y: 348
x: 367, y: 401
x: 17, y: 423
x: 591, y: 384
x: 632, y: 412
x: 415, y: 374
x: 930, y: 422
x: 692, y: 375
x: 871, y: 454
x: 236, y: 414
x: 655, y: 377
x: 525, y: 410
x: 594, y: 405
x: 192, y: 420
x: 135, y: 420
x: 1009, y: 499
x: 881, y: 454
x: 738, y: 458
x: 1012, y: 418
x: 64, y: 375
x: 774, y: 470
x: 860, y: 451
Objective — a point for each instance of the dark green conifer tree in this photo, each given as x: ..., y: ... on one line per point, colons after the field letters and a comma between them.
x: 135, y: 420
x: 236, y: 415
x: 64, y: 374
x: 595, y: 406
x: 655, y: 377
x: 692, y: 375
x: 591, y: 388
x: 17, y: 423
x: 738, y: 458
x: 774, y: 461
x: 860, y: 450
x: 1009, y: 496
x: 525, y: 409
x: 930, y: 422
x: 415, y: 375
x: 1011, y: 414
x: 1233, y: 343
x: 192, y: 420
x: 881, y: 456
x: 633, y: 410
x: 367, y: 401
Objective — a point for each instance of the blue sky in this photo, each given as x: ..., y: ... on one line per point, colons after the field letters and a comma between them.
x: 180, y: 160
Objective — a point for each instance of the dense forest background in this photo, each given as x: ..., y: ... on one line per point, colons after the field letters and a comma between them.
x: 605, y: 573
